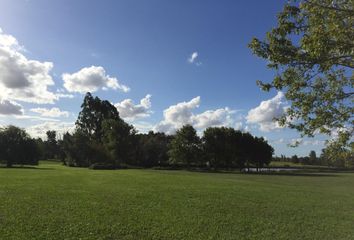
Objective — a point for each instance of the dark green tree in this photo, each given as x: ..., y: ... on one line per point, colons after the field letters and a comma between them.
x: 185, y: 147
x: 224, y: 147
x: 313, y: 158
x: 93, y: 112
x: 152, y: 149
x: 51, y: 145
x: 312, y: 51
x: 117, y: 139
x: 16, y: 147
x: 262, y: 152
x: 294, y: 159
x: 77, y: 150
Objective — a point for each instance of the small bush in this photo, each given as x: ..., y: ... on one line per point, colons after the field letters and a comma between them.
x: 102, y: 166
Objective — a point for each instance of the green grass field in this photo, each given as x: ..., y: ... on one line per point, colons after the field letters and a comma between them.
x: 57, y: 202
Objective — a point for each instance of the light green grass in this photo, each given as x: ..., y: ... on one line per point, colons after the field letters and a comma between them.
x: 56, y: 202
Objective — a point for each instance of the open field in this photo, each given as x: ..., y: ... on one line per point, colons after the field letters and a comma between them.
x: 56, y: 202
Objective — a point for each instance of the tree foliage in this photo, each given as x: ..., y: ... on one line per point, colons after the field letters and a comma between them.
x: 16, y: 147
x: 185, y: 147
x: 152, y: 149
x: 311, y: 49
x: 93, y: 112
x: 227, y: 147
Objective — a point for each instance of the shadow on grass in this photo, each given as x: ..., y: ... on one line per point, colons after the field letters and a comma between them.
x: 299, y: 173
x: 26, y: 168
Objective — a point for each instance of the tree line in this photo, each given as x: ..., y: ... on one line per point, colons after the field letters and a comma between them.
x: 102, y: 139
x: 343, y: 160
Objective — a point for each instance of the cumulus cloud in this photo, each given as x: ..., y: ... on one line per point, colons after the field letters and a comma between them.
x: 264, y: 114
x: 128, y: 110
x: 23, y: 79
x: 10, y: 108
x: 180, y: 114
x: 40, y: 130
x: 91, y: 79
x: 52, y: 112
x: 218, y: 117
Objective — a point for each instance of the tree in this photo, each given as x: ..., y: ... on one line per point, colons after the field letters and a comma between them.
x: 51, y: 146
x: 295, y: 159
x: 224, y: 147
x: 313, y: 158
x: 101, y: 137
x: 152, y: 149
x: 94, y: 112
x: 262, y: 152
x: 338, y: 156
x: 185, y: 147
x: 77, y: 149
x: 16, y: 147
x: 117, y: 140
x: 312, y: 51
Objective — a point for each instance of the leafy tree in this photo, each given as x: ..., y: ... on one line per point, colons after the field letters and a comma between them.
x: 313, y: 157
x: 117, y: 139
x: 153, y: 149
x: 295, y: 159
x: 77, y: 149
x: 224, y: 147
x: 262, y: 152
x: 51, y: 146
x: 185, y: 147
x: 94, y: 112
x: 101, y: 136
x: 312, y: 51
x: 16, y: 147
x: 338, y: 156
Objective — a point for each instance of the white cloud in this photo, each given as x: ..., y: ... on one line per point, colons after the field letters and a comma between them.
x: 10, y: 108
x: 314, y: 142
x: 40, y: 130
x: 53, y: 112
x: 128, y: 110
x: 264, y: 114
x: 91, y: 79
x: 193, y: 57
x: 35, y: 118
x: 182, y: 113
x: 218, y: 117
x: 23, y: 79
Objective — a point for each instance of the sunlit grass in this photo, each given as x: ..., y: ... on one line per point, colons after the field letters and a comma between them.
x: 57, y: 202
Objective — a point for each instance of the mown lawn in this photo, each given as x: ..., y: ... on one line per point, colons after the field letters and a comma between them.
x: 56, y: 202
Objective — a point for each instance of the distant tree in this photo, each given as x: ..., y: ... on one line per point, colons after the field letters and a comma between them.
x: 313, y: 158
x: 16, y: 147
x: 225, y: 147
x: 117, y: 139
x: 312, y: 51
x: 152, y: 149
x: 294, y: 159
x: 51, y: 146
x: 93, y: 112
x: 248, y: 149
x: 262, y: 152
x: 185, y: 147
x: 77, y: 149
x: 101, y: 136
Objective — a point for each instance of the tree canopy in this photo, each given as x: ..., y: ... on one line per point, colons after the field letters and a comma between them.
x: 16, y: 147
x: 311, y: 50
x: 185, y: 147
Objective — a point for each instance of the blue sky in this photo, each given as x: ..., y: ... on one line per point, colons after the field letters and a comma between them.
x: 183, y: 62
